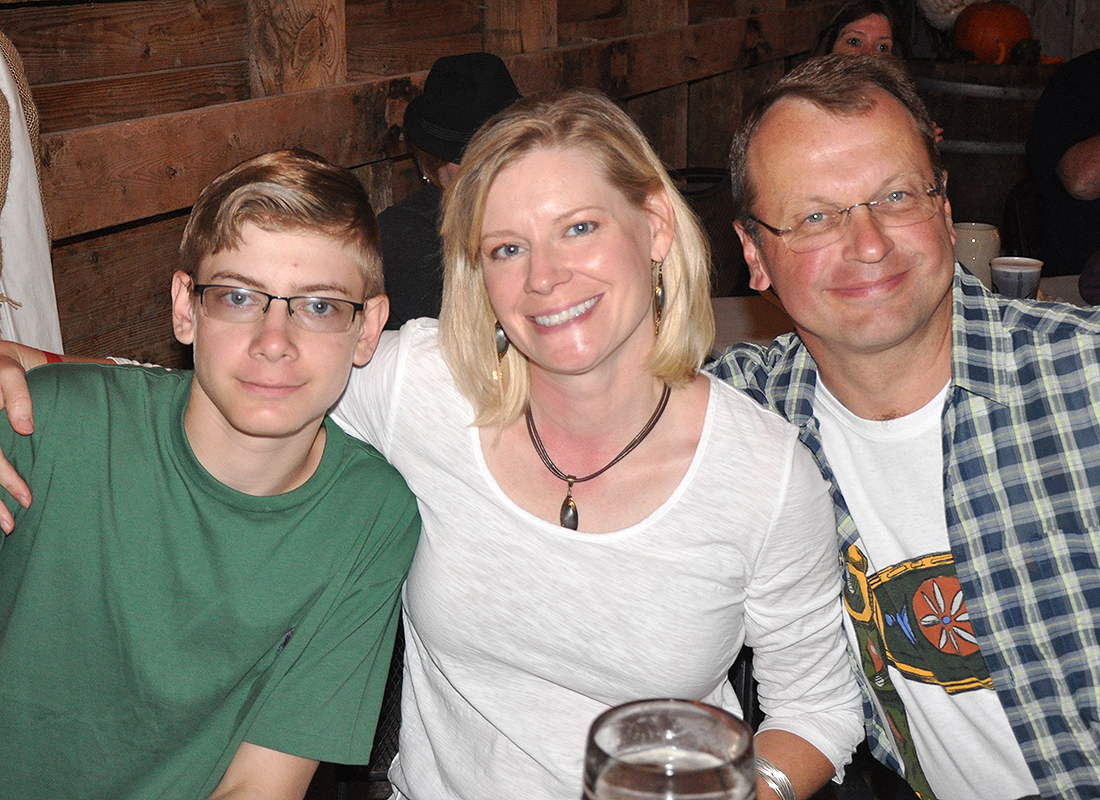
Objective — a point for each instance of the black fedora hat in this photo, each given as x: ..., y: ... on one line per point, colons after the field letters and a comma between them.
x: 460, y: 93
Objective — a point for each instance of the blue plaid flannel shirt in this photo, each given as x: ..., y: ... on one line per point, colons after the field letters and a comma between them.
x: 1021, y: 447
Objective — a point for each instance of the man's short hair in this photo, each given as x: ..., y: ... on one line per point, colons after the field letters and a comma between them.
x: 592, y: 123
x: 287, y: 190
x: 840, y: 84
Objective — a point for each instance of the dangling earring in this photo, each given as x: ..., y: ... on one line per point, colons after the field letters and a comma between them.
x: 500, y: 339
x: 658, y: 297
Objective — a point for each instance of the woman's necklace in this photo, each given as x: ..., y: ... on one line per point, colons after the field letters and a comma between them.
x: 569, y: 515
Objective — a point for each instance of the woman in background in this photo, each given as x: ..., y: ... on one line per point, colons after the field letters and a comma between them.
x: 865, y: 27
x: 862, y: 26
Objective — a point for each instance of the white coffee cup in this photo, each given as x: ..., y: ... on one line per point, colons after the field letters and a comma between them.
x: 1016, y: 276
x: 977, y: 244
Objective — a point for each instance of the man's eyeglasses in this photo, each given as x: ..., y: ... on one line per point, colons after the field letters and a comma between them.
x: 897, y: 207
x: 315, y: 314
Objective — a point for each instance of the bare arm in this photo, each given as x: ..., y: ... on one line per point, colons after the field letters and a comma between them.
x: 15, y: 360
x: 1079, y: 169
x: 803, y: 763
x: 258, y: 773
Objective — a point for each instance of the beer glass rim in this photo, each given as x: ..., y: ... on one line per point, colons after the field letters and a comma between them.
x: 669, y: 703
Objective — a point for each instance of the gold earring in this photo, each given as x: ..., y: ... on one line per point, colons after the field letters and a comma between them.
x: 658, y: 297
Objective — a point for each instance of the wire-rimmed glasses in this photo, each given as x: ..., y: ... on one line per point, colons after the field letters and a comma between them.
x: 310, y: 313
x: 900, y: 205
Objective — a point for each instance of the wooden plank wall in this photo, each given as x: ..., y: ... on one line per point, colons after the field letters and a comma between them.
x: 144, y: 101
x: 1064, y: 28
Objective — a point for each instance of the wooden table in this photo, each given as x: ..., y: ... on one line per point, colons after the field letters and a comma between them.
x: 1062, y: 288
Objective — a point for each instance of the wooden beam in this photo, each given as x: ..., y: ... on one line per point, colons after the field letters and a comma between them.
x: 394, y: 38
x: 519, y: 26
x: 112, y: 293
x: 296, y: 45
x: 643, y: 16
x: 366, y: 62
x: 662, y: 116
x: 146, y: 167
x: 704, y: 10
x: 716, y: 106
x: 385, y: 22
x: 98, y: 101
x: 112, y: 174
x: 69, y: 42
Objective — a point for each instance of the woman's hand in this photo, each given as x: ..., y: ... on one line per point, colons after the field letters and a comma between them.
x: 15, y: 398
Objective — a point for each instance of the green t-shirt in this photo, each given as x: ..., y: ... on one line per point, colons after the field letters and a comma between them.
x: 151, y: 618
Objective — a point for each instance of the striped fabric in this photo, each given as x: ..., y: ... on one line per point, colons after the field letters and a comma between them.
x: 1021, y: 444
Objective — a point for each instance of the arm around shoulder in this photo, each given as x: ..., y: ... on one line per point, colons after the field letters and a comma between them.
x: 15, y: 399
x: 15, y: 360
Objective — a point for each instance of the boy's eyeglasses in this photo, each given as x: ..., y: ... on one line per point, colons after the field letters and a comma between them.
x: 315, y: 314
x: 897, y: 207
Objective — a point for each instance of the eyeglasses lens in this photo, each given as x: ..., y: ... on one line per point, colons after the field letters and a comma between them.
x: 316, y: 314
x: 898, y: 208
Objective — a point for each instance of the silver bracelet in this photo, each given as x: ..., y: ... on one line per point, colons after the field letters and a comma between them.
x: 776, y: 779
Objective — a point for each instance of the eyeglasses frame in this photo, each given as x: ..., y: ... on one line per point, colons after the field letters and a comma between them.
x: 937, y: 189
x: 200, y: 289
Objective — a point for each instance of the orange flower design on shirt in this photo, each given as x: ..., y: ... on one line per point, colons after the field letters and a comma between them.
x: 944, y: 621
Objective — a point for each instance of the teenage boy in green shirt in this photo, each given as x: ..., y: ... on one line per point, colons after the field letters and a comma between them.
x: 202, y: 598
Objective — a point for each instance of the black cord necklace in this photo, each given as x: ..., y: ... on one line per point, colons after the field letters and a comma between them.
x: 569, y: 514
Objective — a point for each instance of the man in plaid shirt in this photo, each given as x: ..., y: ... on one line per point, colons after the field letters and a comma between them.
x: 960, y: 432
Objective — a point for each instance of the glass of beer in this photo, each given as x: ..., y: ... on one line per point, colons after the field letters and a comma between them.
x: 669, y: 750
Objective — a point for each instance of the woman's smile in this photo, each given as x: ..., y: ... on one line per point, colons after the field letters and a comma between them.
x: 550, y: 320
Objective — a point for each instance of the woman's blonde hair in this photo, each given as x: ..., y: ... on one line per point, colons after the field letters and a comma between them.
x: 589, y: 121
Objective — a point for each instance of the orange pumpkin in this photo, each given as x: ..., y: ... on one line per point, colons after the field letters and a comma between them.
x: 989, y: 30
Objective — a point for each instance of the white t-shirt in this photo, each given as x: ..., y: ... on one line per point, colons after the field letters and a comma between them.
x: 520, y: 632
x: 891, y: 475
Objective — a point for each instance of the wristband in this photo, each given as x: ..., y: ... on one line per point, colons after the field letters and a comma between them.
x: 52, y: 358
x: 775, y: 778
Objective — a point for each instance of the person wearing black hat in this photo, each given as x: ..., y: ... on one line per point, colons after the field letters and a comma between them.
x: 460, y: 93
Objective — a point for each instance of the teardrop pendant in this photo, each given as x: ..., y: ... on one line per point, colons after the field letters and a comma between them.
x: 569, y: 516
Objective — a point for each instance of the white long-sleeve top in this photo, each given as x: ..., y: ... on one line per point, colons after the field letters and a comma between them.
x: 520, y: 632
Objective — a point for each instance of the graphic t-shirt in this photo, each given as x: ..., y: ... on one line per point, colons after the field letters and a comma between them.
x: 907, y: 613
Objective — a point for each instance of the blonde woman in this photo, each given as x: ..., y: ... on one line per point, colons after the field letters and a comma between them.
x: 601, y: 522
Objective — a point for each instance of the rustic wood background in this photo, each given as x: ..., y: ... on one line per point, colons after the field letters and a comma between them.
x: 143, y: 102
